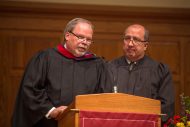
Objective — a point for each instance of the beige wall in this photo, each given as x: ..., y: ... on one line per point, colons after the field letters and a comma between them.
x: 143, y: 3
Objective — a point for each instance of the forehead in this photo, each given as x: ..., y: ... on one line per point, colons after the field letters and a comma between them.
x: 135, y: 29
x: 83, y: 25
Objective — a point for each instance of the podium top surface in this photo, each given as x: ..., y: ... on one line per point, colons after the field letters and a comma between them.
x: 117, y: 102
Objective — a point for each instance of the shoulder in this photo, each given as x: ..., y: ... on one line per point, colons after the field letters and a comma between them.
x: 99, y: 61
x: 163, y: 69
x: 118, y: 61
x: 148, y: 61
x: 42, y: 55
x: 157, y: 64
x: 96, y: 59
x: 160, y: 67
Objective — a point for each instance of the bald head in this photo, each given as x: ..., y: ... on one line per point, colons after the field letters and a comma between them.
x: 141, y: 28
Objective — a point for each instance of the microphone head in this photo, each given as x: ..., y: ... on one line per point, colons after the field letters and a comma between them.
x: 115, y: 89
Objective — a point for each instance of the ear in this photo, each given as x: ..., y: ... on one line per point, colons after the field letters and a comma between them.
x: 67, y: 36
x: 145, y: 46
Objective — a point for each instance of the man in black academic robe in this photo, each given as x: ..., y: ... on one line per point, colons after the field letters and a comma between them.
x: 137, y: 74
x: 55, y: 76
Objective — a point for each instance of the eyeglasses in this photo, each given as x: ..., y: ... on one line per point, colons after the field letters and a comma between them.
x: 135, y: 40
x: 82, y: 38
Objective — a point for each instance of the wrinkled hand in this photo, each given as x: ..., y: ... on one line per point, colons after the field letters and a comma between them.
x: 57, y: 112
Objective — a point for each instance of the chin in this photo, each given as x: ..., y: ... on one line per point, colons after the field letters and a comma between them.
x: 79, y: 54
x: 130, y: 55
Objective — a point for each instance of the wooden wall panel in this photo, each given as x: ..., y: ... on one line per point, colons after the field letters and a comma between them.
x: 178, y: 91
x: 187, y: 73
x: 112, y: 49
x: 166, y: 52
x: 2, y: 80
x: 26, y: 28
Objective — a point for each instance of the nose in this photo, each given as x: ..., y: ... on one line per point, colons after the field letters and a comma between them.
x: 86, y: 41
x: 131, y: 42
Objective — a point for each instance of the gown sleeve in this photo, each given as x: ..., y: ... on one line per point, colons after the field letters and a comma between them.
x: 32, y: 102
x: 166, y: 92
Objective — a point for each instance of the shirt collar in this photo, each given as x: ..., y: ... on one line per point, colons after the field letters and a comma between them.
x: 130, y: 62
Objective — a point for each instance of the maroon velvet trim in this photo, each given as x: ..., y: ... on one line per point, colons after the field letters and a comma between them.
x: 66, y: 53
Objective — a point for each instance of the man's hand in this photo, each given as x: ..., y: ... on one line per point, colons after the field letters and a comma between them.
x: 57, y: 112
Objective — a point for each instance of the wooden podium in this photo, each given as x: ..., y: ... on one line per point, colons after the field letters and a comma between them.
x: 108, y: 102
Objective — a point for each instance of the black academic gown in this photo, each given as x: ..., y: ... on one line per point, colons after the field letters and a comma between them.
x: 52, y: 80
x: 146, y: 78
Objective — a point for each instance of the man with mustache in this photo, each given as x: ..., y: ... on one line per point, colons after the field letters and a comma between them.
x: 137, y: 74
x: 55, y: 76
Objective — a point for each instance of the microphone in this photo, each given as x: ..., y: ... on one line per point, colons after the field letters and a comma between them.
x: 114, y: 73
x: 115, y: 90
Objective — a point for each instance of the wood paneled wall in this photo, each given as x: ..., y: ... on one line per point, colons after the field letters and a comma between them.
x: 26, y: 28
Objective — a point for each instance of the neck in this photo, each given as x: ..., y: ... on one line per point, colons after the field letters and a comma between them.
x: 134, y: 59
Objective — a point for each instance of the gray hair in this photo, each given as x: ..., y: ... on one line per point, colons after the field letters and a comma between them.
x: 146, y: 35
x: 71, y: 25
